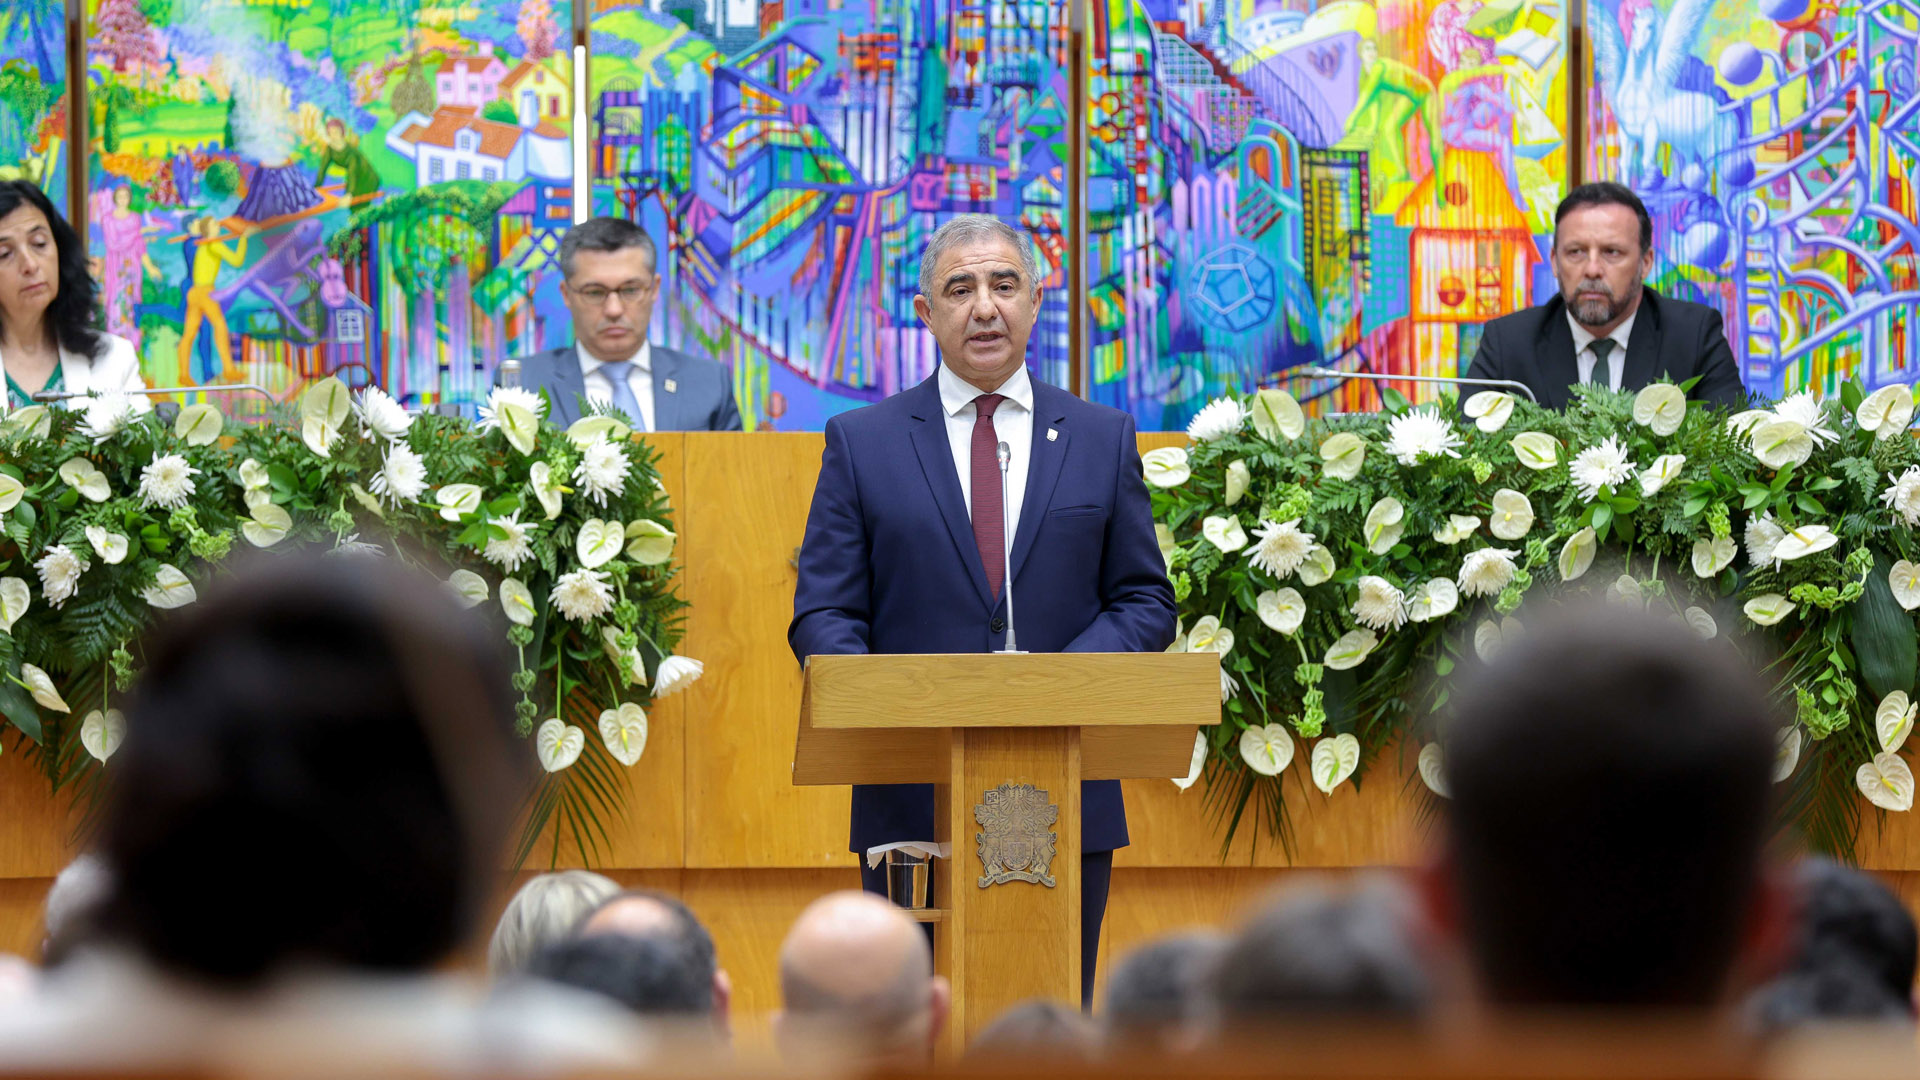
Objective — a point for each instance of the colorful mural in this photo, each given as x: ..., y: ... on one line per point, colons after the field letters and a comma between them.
x: 1776, y: 145
x: 795, y: 156
x: 1273, y: 184
x: 33, y: 95
x: 283, y: 190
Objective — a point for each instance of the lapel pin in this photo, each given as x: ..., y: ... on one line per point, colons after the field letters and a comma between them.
x: 672, y: 387
x: 1053, y: 434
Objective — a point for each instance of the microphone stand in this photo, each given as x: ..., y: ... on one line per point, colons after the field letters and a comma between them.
x: 1005, y: 454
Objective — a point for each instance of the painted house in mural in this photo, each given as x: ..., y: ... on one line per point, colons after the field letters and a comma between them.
x: 456, y: 144
x: 471, y: 81
x: 1472, y: 256
x: 536, y: 93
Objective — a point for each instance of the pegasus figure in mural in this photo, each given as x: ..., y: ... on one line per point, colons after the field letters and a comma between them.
x: 1644, y: 59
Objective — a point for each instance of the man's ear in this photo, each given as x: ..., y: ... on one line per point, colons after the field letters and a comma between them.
x: 923, y: 309
x: 939, y: 1006
x: 723, y: 1002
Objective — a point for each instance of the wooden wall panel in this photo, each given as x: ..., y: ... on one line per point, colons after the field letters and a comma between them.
x: 21, y: 900
x: 35, y: 827
x: 749, y: 912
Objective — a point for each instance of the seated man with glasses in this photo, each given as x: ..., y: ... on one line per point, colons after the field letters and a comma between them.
x: 1606, y: 327
x: 610, y: 282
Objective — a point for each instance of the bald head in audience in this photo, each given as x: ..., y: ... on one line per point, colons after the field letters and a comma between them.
x: 856, y: 976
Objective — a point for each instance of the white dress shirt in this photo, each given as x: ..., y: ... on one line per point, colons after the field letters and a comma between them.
x: 1616, y: 360
x: 1012, y: 424
x: 639, y: 380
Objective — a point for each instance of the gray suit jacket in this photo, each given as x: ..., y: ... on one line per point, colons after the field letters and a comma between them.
x: 689, y: 393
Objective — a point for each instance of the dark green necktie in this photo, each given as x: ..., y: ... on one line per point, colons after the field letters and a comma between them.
x: 1602, y: 368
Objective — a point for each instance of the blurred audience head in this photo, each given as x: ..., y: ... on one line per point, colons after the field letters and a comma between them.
x: 1318, y: 951
x: 1157, y: 994
x: 678, y: 948
x: 1039, y: 1029
x: 73, y: 901
x: 856, y: 978
x: 1611, y: 787
x: 313, y: 776
x: 547, y: 909
x: 662, y: 976
x: 1854, y: 954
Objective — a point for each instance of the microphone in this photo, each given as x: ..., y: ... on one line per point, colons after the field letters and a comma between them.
x: 1005, y: 454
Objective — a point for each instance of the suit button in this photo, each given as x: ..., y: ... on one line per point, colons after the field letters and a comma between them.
x: 997, y: 625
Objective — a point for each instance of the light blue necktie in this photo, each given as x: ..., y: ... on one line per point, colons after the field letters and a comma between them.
x: 616, y: 372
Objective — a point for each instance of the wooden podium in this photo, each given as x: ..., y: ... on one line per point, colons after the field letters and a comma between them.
x: 1007, y: 740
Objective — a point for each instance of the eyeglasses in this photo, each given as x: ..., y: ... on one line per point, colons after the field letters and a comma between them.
x: 597, y: 295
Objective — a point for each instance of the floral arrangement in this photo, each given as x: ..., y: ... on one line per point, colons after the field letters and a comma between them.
x: 108, y: 514
x: 1333, y: 564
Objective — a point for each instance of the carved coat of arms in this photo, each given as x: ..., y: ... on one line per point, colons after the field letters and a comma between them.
x: 1017, y: 841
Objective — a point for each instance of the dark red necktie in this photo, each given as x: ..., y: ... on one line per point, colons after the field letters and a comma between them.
x: 989, y: 516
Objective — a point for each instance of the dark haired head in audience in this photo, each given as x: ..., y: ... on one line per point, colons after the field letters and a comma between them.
x: 313, y: 775
x: 1319, y: 952
x: 1611, y: 798
x: 1854, y: 957
x: 1037, y: 1030
x: 1157, y: 994
x: 682, y: 966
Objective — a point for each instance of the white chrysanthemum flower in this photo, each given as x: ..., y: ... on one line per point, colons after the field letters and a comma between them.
x: 675, y: 674
x: 1221, y: 417
x: 167, y: 481
x: 1661, y: 473
x: 582, y: 595
x: 509, y: 395
x: 1416, y: 436
x: 1280, y: 547
x: 1804, y: 409
x: 402, y: 477
x: 1380, y: 604
x: 509, y: 551
x: 602, y: 471
x: 1601, y: 466
x: 60, y: 569
x: 1762, y: 535
x: 1904, y: 496
x: 106, y: 415
x: 1512, y: 514
x: 1486, y: 571
x: 381, y: 416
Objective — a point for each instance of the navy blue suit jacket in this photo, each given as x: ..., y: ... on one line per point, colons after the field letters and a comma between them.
x: 690, y: 393
x: 889, y: 564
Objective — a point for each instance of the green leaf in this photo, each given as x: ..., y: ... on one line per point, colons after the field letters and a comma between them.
x: 1602, y: 515
x: 1883, y: 634
x: 1694, y: 506
x: 1783, y: 479
x: 1824, y: 483
x: 1625, y: 504
x: 1687, y: 387
x: 20, y: 709
x: 282, y: 479
x: 1754, y: 498
x: 1393, y: 400
x: 1809, y: 505
x: 1851, y: 395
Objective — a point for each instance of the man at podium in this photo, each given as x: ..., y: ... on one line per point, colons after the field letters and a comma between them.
x: 927, y: 499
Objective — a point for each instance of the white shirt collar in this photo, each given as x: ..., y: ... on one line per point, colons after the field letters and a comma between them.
x: 642, y: 360
x: 957, y: 393
x: 1582, y: 337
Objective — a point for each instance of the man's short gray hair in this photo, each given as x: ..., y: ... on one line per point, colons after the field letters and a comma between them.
x: 971, y: 229
x: 547, y: 909
x: 604, y: 234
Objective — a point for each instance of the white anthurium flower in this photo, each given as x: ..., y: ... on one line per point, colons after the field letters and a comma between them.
x: 1893, y: 720
x: 1661, y: 406
x: 33, y: 422
x: 1379, y: 604
x: 1904, y: 580
x: 1537, y: 450
x: 1780, y: 443
x: 16, y: 596
x: 1701, y: 622
x: 40, y: 685
x: 1458, y: 529
x: 624, y: 730
x: 1486, y: 640
x: 268, y: 526
x: 1886, y: 412
x: 1512, y: 515
x: 1239, y: 478
x: 558, y: 744
x: 1433, y: 770
x: 1903, y: 498
x: 170, y: 588
x: 1334, y: 759
x: 103, y: 732
x: 110, y: 546
x: 1208, y: 635
x: 1490, y: 409
x: 1486, y: 571
x: 1276, y: 415
x: 469, y: 588
x: 1576, y: 555
x: 1434, y: 600
x: 11, y: 492
x: 675, y: 674
x: 1421, y: 435
x: 327, y: 401
x: 1280, y: 548
x: 199, y: 425
x: 60, y: 568
x: 598, y: 542
x: 1179, y: 636
x: 366, y: 499
x: 1341, y: 455
x: 545, y: 489
x: 628, y: 661
x: 1267, y: 749
x: 649, y: 543
x: 1386, y: 520
x: 1353, y: 647
x: 1318, y: 566
x: 81, y: 475
x: 1223, y: 416
x: 1805, y: 409
x: 319, y: 435
x: 254, y: 476
x: 1224, y: 533
x: 1602, y: 466
x: 517, y: 601
x: 456, y: 500
x: 1763, y: 535
x: 1786, y: 753
x: 1768, y: 608
x: 502, y: 396
x: 1163, y: 539
x: 1626, y: 589
x: 1743, y: 423
x: 1712, y: 556
x: 1281, y: 609
x: 520, y: 425
x: 1887, y: 782
x: 588, y: 429
x: 1199, y: 763
x: 381, y: 417
x: 1803, y: 541
x: 1659, y: 474
x: 1166, y: 467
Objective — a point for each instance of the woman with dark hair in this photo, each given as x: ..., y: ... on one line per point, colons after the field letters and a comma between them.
x: 48, y: 307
